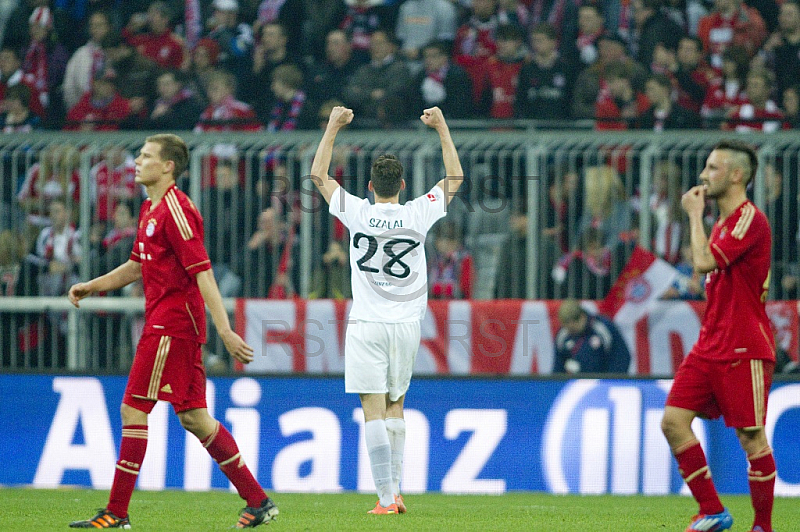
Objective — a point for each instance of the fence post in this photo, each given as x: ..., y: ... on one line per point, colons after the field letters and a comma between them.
x: 307, y: 198
x: 74, y: 359
x: 649, y: 155
x: 534, y: 167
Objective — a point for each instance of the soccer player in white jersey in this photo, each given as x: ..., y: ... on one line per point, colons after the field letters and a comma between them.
x: 390, y: 291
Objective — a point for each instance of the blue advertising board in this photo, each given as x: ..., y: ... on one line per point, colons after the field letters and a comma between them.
x: 464, y: 436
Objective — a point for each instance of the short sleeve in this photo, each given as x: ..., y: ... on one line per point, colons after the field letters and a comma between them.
x: 431, y: 207
x: 345, y: 206
x: 736, y: 238
x: 185, y: 234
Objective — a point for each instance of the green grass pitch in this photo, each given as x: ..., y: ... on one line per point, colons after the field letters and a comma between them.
x: 38, y: 509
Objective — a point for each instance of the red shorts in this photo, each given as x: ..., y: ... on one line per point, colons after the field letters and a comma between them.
x: 166, y: 369
x: 735, y: 389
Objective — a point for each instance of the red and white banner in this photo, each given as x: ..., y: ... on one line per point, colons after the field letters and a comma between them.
x: 503, y: 337
x: 643, y: 280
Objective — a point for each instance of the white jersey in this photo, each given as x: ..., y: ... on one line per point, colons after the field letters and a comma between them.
x: 387, y: 254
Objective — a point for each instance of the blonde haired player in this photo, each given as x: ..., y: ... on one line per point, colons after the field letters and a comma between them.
x: 390, y: 287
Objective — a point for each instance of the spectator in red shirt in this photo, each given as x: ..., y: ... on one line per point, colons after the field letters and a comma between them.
x: 726, y: 92
x: 101, y: 109
x: 159, y: 43
x: 501, y: 72
x: 113, y: 180
x: 475, y: 41
x: 224, y: 112
x: 450, y: 274
x: 759, y: 112
x: 620, y: 107
x: 55, y: 175
x: 731, y: 22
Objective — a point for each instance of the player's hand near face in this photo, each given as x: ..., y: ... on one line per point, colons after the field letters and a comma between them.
x: 78, y: 291
x: 237, y: 347
x: 694, y: 201
x: 340, y: 117
x: 433, y: 117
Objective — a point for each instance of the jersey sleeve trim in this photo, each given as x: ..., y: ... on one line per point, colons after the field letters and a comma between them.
x: 744, y: 222
x: 178, y: 215
x: 719, y: 254
x: 197, y: 265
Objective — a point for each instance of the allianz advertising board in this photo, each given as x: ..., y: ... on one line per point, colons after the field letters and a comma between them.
x: 463, y: 436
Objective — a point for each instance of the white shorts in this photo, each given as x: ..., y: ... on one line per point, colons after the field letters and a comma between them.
x: 379, y: 357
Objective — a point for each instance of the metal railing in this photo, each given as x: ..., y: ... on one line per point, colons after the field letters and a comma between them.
x: 528, y: 207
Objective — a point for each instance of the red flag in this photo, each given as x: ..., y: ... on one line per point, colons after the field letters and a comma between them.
x: 642, y: 281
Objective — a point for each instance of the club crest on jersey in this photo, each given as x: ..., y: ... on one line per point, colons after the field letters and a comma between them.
x: 431, y: 197
x: 151, y: 227
x: 723, y: 232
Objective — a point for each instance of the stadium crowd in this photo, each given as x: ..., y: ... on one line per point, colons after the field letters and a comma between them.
x: 643, y: 64
x: 275, y: 66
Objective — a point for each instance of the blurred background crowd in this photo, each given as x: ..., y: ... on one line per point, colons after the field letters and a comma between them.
x: 279, y: 66
x: 275, y: 64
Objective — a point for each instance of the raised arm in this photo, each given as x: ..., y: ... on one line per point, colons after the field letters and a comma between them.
x: 233, y: 342
x: 340, y: 117
x: 122, y: 275
x: 454, y: 175
x: 694, y: 202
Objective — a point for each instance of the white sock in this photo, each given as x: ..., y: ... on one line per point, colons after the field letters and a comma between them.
x: 396, y: 427
x: 380, y: 459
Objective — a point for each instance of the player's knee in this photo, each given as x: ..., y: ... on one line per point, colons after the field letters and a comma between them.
x: 670, y: 426
x: 197, y: 421
x: 132, y: 416
x: 189, y: 421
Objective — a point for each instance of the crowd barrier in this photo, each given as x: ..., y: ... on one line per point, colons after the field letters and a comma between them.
x: 528, y: 199
x: 470, y: 435
x: 503, y: 337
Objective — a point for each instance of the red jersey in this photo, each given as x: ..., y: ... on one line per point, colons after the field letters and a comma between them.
x: 502, y: 78
x: 166, y: 50
x: 749, y: 118
x: 101, y: 116
x: 745, y: 28
x: 169, y: 246
x: 608, y: 114
x: 228, y: 115
x: 735, y: 324
x: 111, y: 184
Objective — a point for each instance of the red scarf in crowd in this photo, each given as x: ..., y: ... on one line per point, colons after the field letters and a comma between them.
x: 35, y: 67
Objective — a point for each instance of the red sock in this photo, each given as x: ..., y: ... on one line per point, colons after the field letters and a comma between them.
x: 694, y: 470
x: 761, y: 477
x: 131, y: 454
x: 222, y: 448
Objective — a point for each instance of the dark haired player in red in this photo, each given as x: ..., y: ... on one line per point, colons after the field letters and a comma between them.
x: 170, y: 258
x: 729, y: 370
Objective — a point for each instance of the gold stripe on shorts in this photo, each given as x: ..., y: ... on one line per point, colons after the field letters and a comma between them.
x: 158, y: 367
x: 757, y: 378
